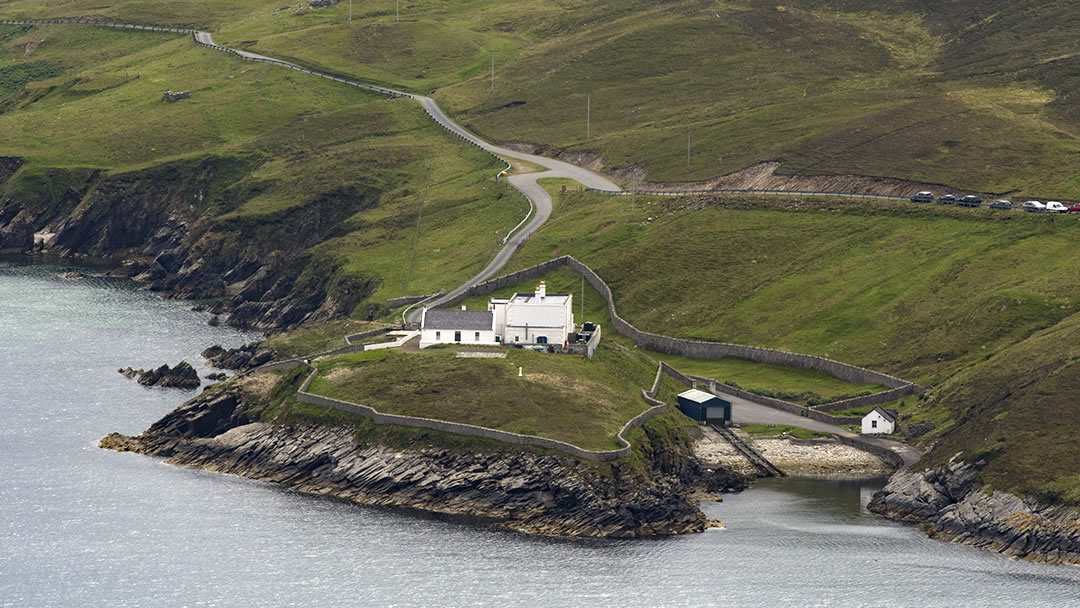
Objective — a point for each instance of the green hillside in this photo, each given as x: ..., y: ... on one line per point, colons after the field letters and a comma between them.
x: 978, y: 96
x: 980, y: 305
x: 416, y: 210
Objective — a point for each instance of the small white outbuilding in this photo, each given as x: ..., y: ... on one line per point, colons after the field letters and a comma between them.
x: 879, y: 422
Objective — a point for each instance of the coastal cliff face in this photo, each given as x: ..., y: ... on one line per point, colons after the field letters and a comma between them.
x: 949, y: 503
x: 528, y: 491
x: 168, y: 228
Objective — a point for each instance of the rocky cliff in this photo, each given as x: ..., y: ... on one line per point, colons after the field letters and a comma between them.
x: 528, y: 491
x: 169, y: 227
x: 949, y: 503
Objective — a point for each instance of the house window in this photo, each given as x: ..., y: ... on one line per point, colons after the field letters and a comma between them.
x: 477, y: 336
x: 498, y: 339
x: 541, y: 339
x: 873, y: 424
x: 517, y: 338
x: 457, y: 336
x: 438, y: 335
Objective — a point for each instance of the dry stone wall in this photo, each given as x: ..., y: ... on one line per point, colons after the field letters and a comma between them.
x: 697, y: 349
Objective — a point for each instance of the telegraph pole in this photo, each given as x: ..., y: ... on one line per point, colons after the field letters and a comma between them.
x: 350, y: 11
x: 397, y: 11
x: 492, y: 70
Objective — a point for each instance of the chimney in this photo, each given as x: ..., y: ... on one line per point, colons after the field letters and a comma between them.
x: 541, y: 290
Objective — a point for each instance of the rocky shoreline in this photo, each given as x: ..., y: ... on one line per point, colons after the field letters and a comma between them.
x: 949, y: 503
x: 533, y: 492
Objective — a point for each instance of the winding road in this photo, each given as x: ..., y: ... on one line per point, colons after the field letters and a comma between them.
x: 524, y: 183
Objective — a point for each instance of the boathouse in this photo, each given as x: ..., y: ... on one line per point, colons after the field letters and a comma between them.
x: 705, y: 407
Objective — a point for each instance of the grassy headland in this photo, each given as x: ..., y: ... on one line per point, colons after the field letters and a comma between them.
x: 581, y: 401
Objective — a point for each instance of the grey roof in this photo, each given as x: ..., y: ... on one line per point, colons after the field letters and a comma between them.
x: 439, y: 318
x: 886, y: 414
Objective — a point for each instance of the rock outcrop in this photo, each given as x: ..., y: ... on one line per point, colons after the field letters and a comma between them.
x: 528, y: 491
x: 160, y: 227
x: 246, y: 357
x: 181, y: 376
x: 949, y: 503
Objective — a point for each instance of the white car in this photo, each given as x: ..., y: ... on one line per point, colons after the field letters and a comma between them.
x: 1034, y: 206
x: 1056, y: 207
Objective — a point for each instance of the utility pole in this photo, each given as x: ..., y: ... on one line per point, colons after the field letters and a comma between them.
x: 350, y: 11
x: 588, y: 115
x: 492, y: 70
x: 397, y: 11
x: 583, y: 299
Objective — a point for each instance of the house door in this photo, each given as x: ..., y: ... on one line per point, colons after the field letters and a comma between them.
x: 457, y: 336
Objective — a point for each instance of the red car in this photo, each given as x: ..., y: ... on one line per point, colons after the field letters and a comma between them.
x: 1075, y: 208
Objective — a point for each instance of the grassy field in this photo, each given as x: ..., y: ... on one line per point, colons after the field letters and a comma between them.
x: 581, y: 401
x: 921, y: 292
x: 316, y: 338
x: 805, y: 386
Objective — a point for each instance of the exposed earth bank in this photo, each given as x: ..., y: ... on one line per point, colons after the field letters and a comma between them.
x: 949, y: 503
x: 533, y: 492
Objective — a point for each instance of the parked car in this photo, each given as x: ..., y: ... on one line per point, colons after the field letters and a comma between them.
x: 1075, y: 208
x: 1001, y: 204
x: 1056, y: 207
x: 923, y: 197
x: 970, y: 201
x: 1034, y: 206
x: 948, y: 199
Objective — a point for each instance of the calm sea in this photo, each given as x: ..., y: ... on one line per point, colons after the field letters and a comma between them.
x: 82, y: 526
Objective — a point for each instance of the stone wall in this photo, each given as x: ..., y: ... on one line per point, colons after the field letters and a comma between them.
x: 589, y: 348
x: 393, y: 303
x: 876, y: 398
x: 697, y: 349
x: 890, y: 457
x: 778, y: 404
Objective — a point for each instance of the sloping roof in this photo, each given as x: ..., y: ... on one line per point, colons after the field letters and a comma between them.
x: 438, y: 318
x: 697, y: 396
x: 886, y: 414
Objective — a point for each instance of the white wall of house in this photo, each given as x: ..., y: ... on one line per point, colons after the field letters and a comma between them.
x: 429, y: 337
x: 874, y: 424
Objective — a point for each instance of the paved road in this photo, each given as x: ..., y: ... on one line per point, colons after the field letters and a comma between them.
x: 525, y: 183
x: 748, y: 412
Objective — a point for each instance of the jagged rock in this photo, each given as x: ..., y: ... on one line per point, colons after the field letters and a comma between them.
x: 127, y: 372
x: 175, y: 95
x: 218, y: 377
x: 528, y: 491
x: 181, y: 376
x: 950, y: 504
x: 248, y: 356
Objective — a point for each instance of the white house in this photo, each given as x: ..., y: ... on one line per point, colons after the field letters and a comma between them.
x: 439, y: 326
x: 879, y: 421
x: 536, y: 318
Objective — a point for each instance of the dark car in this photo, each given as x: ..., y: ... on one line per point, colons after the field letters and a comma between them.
x: 1075, y: 208
x: 923, y: 197
x: 948, y: 199
x: 970, y: 201
x: 1001, y: 204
